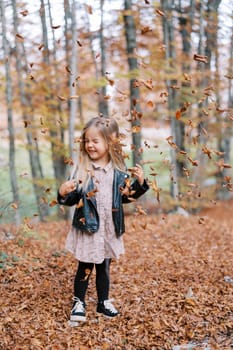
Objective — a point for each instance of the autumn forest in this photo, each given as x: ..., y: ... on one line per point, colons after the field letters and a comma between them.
x: 163, y: 70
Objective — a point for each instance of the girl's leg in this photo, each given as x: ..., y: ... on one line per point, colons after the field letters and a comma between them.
x: 104, y: 305
x: 81, y: 279
x: 103, y: 279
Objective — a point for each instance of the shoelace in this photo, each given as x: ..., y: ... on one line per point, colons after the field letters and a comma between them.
x: 78, y: 305
x: 109, y: 306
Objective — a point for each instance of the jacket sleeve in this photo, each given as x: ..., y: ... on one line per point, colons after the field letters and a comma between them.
x: 70, y: 199
x: 137, y: 191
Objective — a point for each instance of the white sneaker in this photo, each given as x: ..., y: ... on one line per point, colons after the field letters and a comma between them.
x: 106, y: 308
x: 78, y: 312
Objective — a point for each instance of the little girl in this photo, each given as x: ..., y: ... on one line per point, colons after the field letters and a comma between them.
x: 101, y: 187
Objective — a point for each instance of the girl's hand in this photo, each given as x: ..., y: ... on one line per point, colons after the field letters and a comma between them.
x: 137, y: 172
x: 67, y: 187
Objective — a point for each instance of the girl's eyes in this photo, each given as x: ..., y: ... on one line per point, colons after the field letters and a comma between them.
x: 94, y: 141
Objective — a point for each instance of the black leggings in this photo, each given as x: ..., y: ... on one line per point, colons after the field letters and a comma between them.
x: 102, y: 279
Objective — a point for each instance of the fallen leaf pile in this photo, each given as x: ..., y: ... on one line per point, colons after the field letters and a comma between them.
x: 173, y: 286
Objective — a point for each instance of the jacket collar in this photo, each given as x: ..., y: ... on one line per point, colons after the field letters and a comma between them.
x: 106, y: 168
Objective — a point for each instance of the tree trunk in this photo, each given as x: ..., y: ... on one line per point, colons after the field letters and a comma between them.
x: 55, y: 138
x: 130, y: 34
x: 9, y: 99
x: 185, y: 30
x: 207, y: 47
x: 57, y: 75
x: 103, y: 105
x: 72, y: 83
x: 168, y: 30
x: 224, y: 141
x: 26, y: 105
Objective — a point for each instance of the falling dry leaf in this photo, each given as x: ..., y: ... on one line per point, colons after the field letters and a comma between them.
x: 200, y: 58
x: 68, y: 161
x: 145, y: 30
x: 193, y: 162
x: 20, y: 37
x: 68, y: 69
x: 44, y: 130
x: 61, y: 98
x: 53, y: 203
x: 136, y: 128
x: 164, y: 94
x: 207, y: 151
x: 178, y: 114
x: 82, y: 220
x: 92, y: 193
x: 159, y: 12
x: 80, y: 204
x: 24, y: 13
x: 88, y: 9
x: 148, y: 84
x: 150, y: 104
x: 26, y: 123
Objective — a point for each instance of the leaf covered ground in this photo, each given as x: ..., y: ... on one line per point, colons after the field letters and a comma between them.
x: 173, y: 286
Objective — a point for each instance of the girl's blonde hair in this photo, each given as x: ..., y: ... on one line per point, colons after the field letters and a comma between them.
x: 109, y: 129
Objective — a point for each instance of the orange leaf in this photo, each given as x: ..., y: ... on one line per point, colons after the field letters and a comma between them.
x: 150, y: 104
x: 178, y: 114
x: 24, y: 13
x: 91, y: 193
x: 159, y: 12
x: 136, y: 128
x: 53, y: 203
x: 145, y: 30
x: 69, y: 161
x: 61, y: 98
x: 80, y: 204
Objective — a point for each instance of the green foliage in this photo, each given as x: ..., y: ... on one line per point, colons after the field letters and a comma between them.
x: 7, y: 260
x: 27, y: 205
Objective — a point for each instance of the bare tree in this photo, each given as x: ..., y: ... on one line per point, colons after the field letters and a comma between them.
x: 103, y: 105
x: 56, y: 133
x: 170, y: 56
x: 72, y: 80
x: 28, y: 119
x: 9, y: 101
x: 130, y: 34
x: 224, y: 140
x: 56, y: 73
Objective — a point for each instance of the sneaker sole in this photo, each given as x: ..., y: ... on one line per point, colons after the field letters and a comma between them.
x: 107, y: 316
x: 78, y: 318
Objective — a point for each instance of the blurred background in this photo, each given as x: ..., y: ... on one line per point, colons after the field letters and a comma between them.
x: 163, y: 69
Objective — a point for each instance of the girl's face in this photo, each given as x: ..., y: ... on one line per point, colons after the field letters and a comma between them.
x: 96, y: 146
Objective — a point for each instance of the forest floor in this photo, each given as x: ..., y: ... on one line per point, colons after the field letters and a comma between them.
x: 173, y: 287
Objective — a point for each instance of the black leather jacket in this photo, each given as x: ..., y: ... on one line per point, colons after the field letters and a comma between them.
x: 86, y: 217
